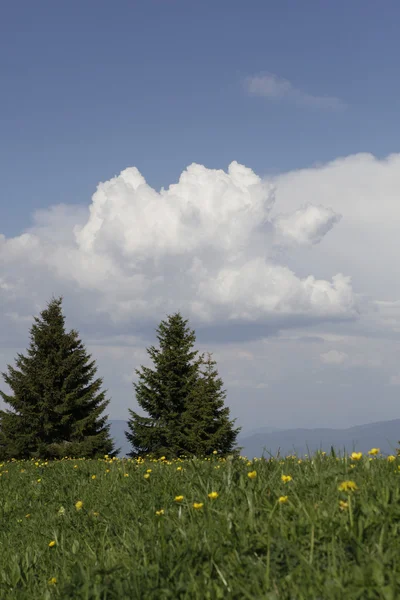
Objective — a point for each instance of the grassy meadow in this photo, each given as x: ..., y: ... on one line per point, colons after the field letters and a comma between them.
x: 322, y: 527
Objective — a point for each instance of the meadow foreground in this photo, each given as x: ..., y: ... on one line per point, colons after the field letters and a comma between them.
x: 323, y: 527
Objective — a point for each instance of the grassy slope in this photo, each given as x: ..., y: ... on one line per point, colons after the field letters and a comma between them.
x: 243, y: 544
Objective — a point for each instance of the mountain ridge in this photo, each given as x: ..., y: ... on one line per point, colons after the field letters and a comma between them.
x: 361, y: 438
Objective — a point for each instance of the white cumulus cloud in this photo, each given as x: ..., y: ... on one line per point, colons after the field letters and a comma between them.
x: 205, y: 244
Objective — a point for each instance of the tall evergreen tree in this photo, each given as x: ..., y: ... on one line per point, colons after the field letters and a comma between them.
x: 164, y: 393
x: 56, y: 408
x: 206, y: 420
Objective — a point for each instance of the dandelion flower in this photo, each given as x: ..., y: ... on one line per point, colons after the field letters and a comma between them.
x: 215, y: 451
x: 162, y: 458
x: 179, y: 498
x: 52, y: 581
x: 79, y: 505
x: 374, y: 451
x: 356, y: 455
x: 160, y: 512
x: 39, y: 480
x: 52, y: 543
x: 286, y: 478
x: 146, y: 475
x: 213, y: 495
x: 126, y: 474
x: 179, y: 468
x: 343, y: 505
x: 252, y: 474
x: 282, y: 499
x: 197, y: 505
x: 93, y: 476
x: 391, y: 458
x: 346, y: 486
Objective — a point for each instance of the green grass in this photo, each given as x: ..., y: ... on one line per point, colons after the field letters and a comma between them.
x: 243, y: 544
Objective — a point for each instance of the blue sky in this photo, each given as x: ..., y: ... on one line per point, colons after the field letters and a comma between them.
x: 91, y: 87
x: 280, y: 245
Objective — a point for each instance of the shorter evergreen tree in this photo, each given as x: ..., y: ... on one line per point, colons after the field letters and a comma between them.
x: 56, y: 408
x: 185, y: 407
x: 206, y: 420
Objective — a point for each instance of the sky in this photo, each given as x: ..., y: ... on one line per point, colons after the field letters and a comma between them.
x: 236, y: 161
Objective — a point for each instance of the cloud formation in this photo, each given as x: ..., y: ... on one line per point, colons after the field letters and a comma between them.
x: 269, y: 85
x: 206, y: 244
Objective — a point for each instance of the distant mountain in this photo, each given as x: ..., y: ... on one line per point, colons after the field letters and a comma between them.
x: 384, y: 435
x: 259, y: 430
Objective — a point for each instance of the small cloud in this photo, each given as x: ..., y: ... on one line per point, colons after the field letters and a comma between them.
x: 333, y: 357
x: 394, y: 380
x: 245, y: 354
x: 269, y: 85
x: 310, y: 339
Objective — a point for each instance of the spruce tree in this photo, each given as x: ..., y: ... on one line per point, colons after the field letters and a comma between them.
x: 206, y: 420
x: 164, y: 393
x: 56, y: 408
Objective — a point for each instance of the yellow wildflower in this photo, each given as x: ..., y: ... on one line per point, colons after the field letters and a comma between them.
x: 374, y: 451
x: 343, y: 505
x: 213, y: 495
x: 179, y: 468
x: 282, y: 499
x: 148, y: 471
x: 52, y: 581
x: 93, y: 476
x: 79, y: 505
x: 197, y: 505
x: 39, y: 480
x: 146, y: 475
x: 126, y: 474
x: 391, y: 458
x: 162, y: 458
x: 160, y: 512
x: 95, y: 514
x: 356, y: 455
x: 27, y: 516
x: 52, y: 543
x: 178, y: 498
x: 286, y: 478
x: 346, y: 486
x: 215, y: 451
x: 252, y: 474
